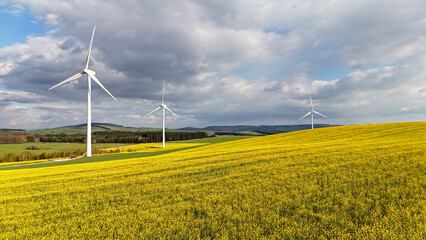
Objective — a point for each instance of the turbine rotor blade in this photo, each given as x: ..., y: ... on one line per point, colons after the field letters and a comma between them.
x: 305, y: 115
x: 90, y: 48
x: 171, y: 111
x: 152, y: 111
x: 320, y: 114
x: 68, y: 80
x: 94, y: 78
x: 162, y: 97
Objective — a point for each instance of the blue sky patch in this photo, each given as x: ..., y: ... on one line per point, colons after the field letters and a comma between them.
x: 18, y: 23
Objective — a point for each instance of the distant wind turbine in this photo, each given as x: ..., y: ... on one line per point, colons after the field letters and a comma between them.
x: 90, y: 76
x: 164, y: 107
x: 312, y: 113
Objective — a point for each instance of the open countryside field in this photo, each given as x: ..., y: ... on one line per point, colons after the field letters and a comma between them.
x: 152, y: 147
x: 352, y: 182
x: 216, y: 139
x: 49, y: 147
x: 58, y: 147
x: 126, y: 151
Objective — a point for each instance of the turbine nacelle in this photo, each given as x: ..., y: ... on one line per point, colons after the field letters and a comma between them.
x: 89, y: 72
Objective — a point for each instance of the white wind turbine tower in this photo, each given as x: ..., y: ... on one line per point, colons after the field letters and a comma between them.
x: 312, y: 111
x: 164, y: 107
x: 90, y: 76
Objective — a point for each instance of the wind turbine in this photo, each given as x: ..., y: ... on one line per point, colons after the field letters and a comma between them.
x: 164, y: 107
x: 90, y: 76
x: 312, y: 113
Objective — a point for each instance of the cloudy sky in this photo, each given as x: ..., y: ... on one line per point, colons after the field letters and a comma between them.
x: 224, y: 62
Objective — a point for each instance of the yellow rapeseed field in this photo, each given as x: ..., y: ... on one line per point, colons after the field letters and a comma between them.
x: 152, y: 147
x: 2, y: 164
x: 351, y: 182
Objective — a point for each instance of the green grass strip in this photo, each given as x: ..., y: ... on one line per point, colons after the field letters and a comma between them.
x: 102, y: 158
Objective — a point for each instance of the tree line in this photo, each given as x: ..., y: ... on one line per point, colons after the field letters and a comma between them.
x: 123, y: 137
x: 28, y: 156
x: 16, y: 138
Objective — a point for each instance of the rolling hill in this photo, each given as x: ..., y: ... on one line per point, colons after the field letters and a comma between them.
x: 264, y: 128
x: 241, y: 129
x: 96, y: 127
x: 350, y: 182
x: 11, y: 131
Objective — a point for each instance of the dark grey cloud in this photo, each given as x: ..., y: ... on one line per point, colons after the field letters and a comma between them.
x: 142, y: 42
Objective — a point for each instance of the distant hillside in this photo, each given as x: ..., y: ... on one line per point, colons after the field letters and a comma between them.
x: 261, y: 128
x: 11, y: 131
x: 96, y: 127
x: 220, y: 130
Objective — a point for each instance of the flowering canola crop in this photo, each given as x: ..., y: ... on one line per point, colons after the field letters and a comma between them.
x: 152, y: 147
x: 350, y: 182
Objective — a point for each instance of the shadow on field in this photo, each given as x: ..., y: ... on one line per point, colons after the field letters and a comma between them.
x: 102, y: 158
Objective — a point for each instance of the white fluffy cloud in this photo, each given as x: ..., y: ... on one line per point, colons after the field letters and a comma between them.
x: 19, y: 97
x: 235, y: 62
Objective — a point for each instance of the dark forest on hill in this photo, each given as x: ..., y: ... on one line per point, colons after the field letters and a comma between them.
x: 123, y: 137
